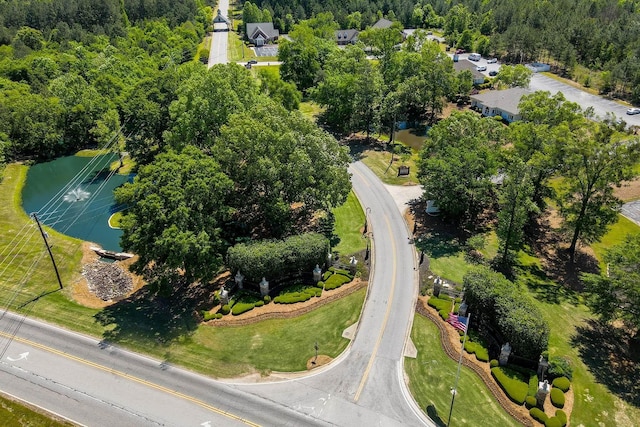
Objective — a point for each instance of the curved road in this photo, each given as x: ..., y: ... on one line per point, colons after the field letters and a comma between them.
x: 97, y: 384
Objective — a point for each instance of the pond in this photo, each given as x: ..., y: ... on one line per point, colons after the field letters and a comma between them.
x: 74, y: 195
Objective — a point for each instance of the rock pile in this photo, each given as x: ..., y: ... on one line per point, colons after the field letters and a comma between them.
x: 107, y: 280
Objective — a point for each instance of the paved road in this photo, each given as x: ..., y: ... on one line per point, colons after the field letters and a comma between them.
x: 97, y: 384
x: 219, y: 39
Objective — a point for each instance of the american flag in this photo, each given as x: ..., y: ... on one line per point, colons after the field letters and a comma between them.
x: 458, y: 322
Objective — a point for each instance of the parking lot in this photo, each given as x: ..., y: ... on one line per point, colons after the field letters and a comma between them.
x: 271, y: 50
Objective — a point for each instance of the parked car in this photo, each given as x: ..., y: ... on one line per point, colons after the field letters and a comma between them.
x: 492, y: 60
x: 633, y: 111
x: 252, y: 61
x: 481, y: 68
x: 459, y: 51
x: 475, y: 57
x: 493, y: 73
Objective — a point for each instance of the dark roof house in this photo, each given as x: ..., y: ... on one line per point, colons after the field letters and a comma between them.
x: 344, y: 37
x: 261, y: 33
x: 503, y: 103
x: 382, y: 23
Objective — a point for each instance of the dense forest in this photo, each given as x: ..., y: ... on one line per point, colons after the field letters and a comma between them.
x: 602, y: 35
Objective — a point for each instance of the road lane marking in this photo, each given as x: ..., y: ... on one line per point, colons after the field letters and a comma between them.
x: 130, y: 377
x: 386, y: 316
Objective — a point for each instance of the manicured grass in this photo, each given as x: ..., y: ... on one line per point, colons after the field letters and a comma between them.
x: 54, y: 306
x: 349, y: 222
x: 310, y: 109
x: 451, y: 267
x: 616, y: 235
x: 13, y: 414
x: 380, y: 163
x: 127, y: 165
x: 114, y: 220
x: 236, y: 49
x: 432, y: 375
x: 278, y: 345
x: 91, y: 153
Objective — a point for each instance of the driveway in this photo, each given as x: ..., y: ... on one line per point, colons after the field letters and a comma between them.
x: 631, y: 210
x: 266, y: 50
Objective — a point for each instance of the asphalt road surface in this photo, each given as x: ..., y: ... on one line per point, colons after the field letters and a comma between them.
x: 219, y: 39
x: 97, y: 384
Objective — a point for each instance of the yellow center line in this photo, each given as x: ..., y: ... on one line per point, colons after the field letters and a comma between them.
x: 132, y: 378
x: 386, y: 316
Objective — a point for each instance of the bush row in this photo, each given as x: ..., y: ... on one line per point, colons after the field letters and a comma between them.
x: 335, y: 281
x: 341, y: 271
x: 210, y: 316
x: 293, y: 297
x: 515, y: 389
x: 559, y: 420
x: 440, y: 303
x: 277, y: 258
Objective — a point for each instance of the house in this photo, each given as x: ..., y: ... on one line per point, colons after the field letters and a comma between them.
x: 345, y: 37
x: 261, y: 33
x: 382, y: 23
x: 221, y: 23
x: 503, y: 103
x: 463, y: 64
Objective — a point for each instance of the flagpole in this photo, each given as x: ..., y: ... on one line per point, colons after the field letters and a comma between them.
x: 455, y: 387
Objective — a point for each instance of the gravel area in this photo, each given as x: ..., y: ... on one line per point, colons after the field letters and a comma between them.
x: 107, y: 281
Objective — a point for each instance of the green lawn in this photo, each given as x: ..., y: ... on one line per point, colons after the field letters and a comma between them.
x: 236, y: 49
x: 271, y: 345
x: 349, y: 223
x: 13, y: 414
x: 615, y: 236
x: 310, y: 109
x: 431, y: 376
x: 380, y: 163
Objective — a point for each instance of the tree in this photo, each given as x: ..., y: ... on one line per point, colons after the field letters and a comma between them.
x: 515, y: 205
x: 284, y: 168
x: 514, y: 76
x: 283, y: 92
x: 457, y: 162
x: 617, y: 295
x: 178, y: 205
x: 595, y: 160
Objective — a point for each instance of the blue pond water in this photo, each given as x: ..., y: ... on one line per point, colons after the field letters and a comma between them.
x: 73, y: 196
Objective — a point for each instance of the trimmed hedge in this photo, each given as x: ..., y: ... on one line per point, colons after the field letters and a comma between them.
x: 531, y: 402
x: 301, y: 296
x: 341, y: 271
x: 472, y: 347
x: 562, y: 383
x: 440, y: 303
x: 326, y: 275
x: 210, y: 316
x: 557, y: 398
x: 494, y: 363
x: 259, y: 303
x: 320, y: 284
x: 335, y: 281
x: 267, y: 299
x: 562, y: 416
x: 515, y: 390
x: 241, y: 307
x: 538, y: 415
x: 553, y: 422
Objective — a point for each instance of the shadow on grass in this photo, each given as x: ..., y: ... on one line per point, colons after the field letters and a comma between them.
x: 147, y: 318
x: 432, y: 412
x: 358, y: 145
x: 612, y: 356
x: 544, y: 288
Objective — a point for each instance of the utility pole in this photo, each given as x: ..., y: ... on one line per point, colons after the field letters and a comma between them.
x: 46, y: 243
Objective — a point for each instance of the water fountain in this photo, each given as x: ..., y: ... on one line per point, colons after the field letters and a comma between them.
x: 77, y: 195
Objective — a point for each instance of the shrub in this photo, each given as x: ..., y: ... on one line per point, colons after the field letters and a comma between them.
x: 336, y: 281
x: 533, y: 385
x: 278, y: 258
x: 327, y: 274
x: 218, y: 316
x: 557, y: 398
x: 562, y: 383
x: 225, y: 309
x: 266, y: 299
x: 241, y: 307
x: 340, y: 271
x: 515, y: 389
x: 538, y: 415
x: 473, y: 347
x: 553, y: 422
x: 209, y: 316
x: 494, y: 363
x: 444, y: 314
x: 440, y: 303
x: 320, y: 284
x: 562, y: 416
x: 531, y: 402
x: 560, y: 367
x: 259, y: 303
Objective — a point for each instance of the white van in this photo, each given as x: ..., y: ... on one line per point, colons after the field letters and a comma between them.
x: 474, y: 57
